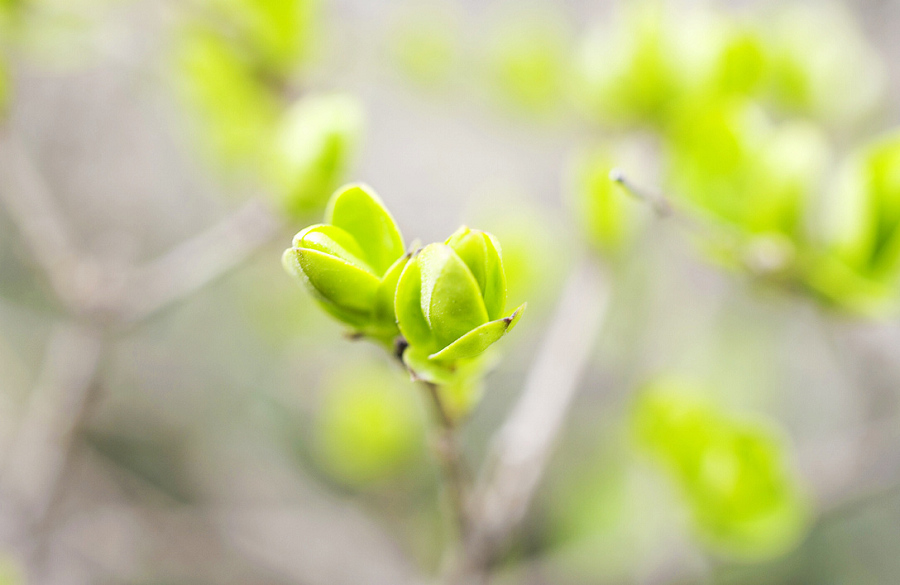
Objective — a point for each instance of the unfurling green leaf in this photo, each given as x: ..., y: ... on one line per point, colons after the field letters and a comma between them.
x: 449, y: 303
x: 351, y: 266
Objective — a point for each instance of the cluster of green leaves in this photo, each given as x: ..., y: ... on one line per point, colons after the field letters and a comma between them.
x: 238, y: 65
x: 732, y: 473
x: 440, y: 306
x: 810, y: 61
x: 742, y: 115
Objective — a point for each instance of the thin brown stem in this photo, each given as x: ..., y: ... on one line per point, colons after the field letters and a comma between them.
x: 449, y: 455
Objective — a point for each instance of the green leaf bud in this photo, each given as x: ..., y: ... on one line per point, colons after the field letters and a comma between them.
x: 352, y: 264
x: 450, y: 299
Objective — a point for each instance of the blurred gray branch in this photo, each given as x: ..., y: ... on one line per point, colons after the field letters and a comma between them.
x: 522, y: 446
x: 195, y: 263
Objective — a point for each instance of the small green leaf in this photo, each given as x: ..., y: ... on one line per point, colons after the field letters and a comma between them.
x: 358, y: 210
x: 384, y: 298
x: 481, y: 253
x: 408, y: 306
x: 355, y: 318
x: 450, y: 298
x: 427, y: 370
x: 334, y: 241
x: 335, y: 280
x: 479, y: 339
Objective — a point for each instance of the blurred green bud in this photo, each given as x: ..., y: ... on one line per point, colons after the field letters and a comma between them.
x: 742, y: 63
x: 425, y: 43
x: 859, y: 268
x: 313, y: 149
x: 235, y: 113
x: 529, y: 59
x: 277, y: 34
x: 637, y: 72
x: 369, y: 427
x: 450, y: 301
x: 351, y: 263
x: 733, y: 473
x: 606, y: 216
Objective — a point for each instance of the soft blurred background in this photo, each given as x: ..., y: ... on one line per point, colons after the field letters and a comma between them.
x: 175, y: 410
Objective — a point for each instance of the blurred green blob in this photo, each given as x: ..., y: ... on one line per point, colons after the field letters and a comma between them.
x: 646, y: 65
x: 742, y: 63
x: 529, y: 58
x: 314, y: 146
x: 734, y: 474
x: 424, y: 44
x: 279, y: 34
x: 743, y: 171
x: 604, y: 212
x: 369, y: 427
x: 236, y: 111
x: 10, y: 572
x: 822, y: 64
x: 860, y: 267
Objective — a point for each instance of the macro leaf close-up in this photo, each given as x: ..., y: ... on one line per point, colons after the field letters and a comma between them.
x: 454, y: 292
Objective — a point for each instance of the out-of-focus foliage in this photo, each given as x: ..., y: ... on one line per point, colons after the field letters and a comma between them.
x: 641, y: 70
x: 860, y: 267
x: 369, y: 426
x: 236, y: 110
x: 606, y: 216
x: 425, y: 44
x: 734, y: 474
x: 715, y: 89
x: 318, y: 137
x: 238, y: 71
x: 731, y: 161
x: 529, y: 59
x: 279, y: 34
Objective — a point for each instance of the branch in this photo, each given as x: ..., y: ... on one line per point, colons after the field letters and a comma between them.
x: 198, y: 261
x: 522, y: 447
x: 32, y: 208
x: 449, y: 455
x: 40, y: 451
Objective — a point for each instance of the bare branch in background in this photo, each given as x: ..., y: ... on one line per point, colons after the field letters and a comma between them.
x: 40, y: 450
x: 33, y: 209
x: 659, y: 202
x: 195, y: 263
x: 522, y: 447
